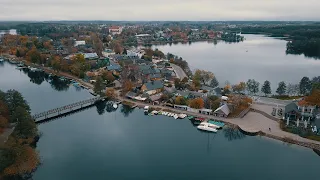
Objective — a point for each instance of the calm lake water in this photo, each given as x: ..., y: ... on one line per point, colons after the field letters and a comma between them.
x: 258, y: 57
x: 102, y: 143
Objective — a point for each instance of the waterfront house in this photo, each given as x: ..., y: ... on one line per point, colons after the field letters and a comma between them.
x: 222, y: 111
x: 131, y: 95
x: 152, y: 87
x: 299, y: 111
x: 215, y: 91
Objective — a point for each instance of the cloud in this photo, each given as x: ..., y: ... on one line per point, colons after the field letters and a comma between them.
x: 159, y: 10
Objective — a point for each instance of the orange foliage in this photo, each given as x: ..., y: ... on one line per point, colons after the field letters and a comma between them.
x: 47, y: 45
x: 3, y: 122
x: 111, y: 93
x: 27, y: 160
x: 197, y: 103
x: 314, y: 98
x: 127, y: 86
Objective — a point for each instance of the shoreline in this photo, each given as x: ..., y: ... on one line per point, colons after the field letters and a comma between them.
x: 229, y: 121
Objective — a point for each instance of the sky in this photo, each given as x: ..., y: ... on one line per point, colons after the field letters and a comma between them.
x: 160, y: 10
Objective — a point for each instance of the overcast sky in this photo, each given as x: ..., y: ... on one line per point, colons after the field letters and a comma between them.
x: 159, y: 10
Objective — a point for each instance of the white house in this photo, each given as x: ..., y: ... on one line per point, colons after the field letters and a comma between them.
x: 77, y: 43
x: 107, y: 52
x: 222, y: 111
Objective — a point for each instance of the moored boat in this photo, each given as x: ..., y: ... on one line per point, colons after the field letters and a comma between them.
x: 206, y: 127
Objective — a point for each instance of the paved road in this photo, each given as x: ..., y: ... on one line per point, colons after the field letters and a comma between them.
x: 271, y: 101
x: 179, y: 71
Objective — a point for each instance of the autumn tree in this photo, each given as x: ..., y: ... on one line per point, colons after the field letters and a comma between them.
x: 203, y: 76
x: 238, y: 88
x: 111, y: 93
x: 127, y: 86
x: 282, y: 88
x: 56, y: 63
x: 313, y: 98
x: 178, y: 84
x: 97, y: 44
x: 266, y: 88
x: 34, y: 56
x: 180, y: 100
x: 197, y: 103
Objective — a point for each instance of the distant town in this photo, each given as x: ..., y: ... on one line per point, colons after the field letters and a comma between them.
x: 117, y: 61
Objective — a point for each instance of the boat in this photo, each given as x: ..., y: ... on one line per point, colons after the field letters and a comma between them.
x: 115, y: 105
x: 1, y: 60
x: 182, y: 116
x: 190, y: 117
x: 199, y: 119
x: 154, y: 112
x: 216, y: 123
x: 176, y: 116
x: 169, y: 114
x: 206, y: 128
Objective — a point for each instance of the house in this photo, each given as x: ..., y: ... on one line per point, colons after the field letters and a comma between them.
x: 222, y: 111
x: 107, y: 52
x: 91, y: 56
x: 155, y: 77
x: 131, y: 95
x: 155, y: 98
x: 291, y: 111
x: 215, y: 91
x: 115, y: 30
x: 113, y: 67
x: 77, y: 43
x: 299, y: 111
x: 152, y: 87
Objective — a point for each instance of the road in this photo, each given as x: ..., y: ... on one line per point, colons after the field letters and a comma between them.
x: 179, y: 71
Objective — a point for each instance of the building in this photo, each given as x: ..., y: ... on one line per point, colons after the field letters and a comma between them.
x: 152, y: 87
x: 222, y: 111
x: 107, y: 52
x: 78, y: 43
x: 299, y: 112
x: 113, y: 67
x: 115, y: 30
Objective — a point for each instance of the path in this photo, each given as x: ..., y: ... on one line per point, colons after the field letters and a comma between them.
x: 179, y: 71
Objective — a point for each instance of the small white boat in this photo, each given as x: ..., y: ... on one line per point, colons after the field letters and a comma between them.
x: 146, y: 108
x: 115, y: 105
x: 206, y: 128
x: 176, y: 116
x: 154, y: 112
x: 169, y: 114
x: 1, y: 60
x: 209, y: 125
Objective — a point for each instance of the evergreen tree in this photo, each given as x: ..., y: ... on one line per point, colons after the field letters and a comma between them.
x: 282, y: 88
x: 266, y: 88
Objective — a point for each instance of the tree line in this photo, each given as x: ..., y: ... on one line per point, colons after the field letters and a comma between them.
x: 17, y: 156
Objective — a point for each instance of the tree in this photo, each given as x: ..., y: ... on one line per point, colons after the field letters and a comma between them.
x: 203, y: 76
x: 97, y: 44
x: 124, y: 51
x: 197, y: 103
x: 293, y: 89
x: 108, y: 76
x: 56, y: 63
x: 313, y: 98
x: 34, y: 56
x: 239, y: 87
x: 111, y: 93
x: 266, y: 88
x: 127, y: 86
x: 282, y: 88
x: 177, y: 83
x: 3, y: 123
x: 98, y: 85
x: 252, y: 86
x: 227, y: 89
x: 214, y: 82
x: 180, y: 100
x: 305, y: 86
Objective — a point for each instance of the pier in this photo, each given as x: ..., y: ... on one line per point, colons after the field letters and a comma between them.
x: 50, y: 114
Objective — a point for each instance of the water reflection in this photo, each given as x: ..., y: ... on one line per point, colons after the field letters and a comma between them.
x: 101, y: 106
x: 233, y: 134
x: 36, y: 77
x: 58, y: 84
x: 126, y: 110
x: 109, y: 107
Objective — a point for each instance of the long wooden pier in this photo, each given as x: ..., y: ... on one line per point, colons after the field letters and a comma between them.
x: 66, y: 109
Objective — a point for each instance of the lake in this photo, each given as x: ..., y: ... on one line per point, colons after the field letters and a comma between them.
x: 103, y: 143
x: 258, y: 57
